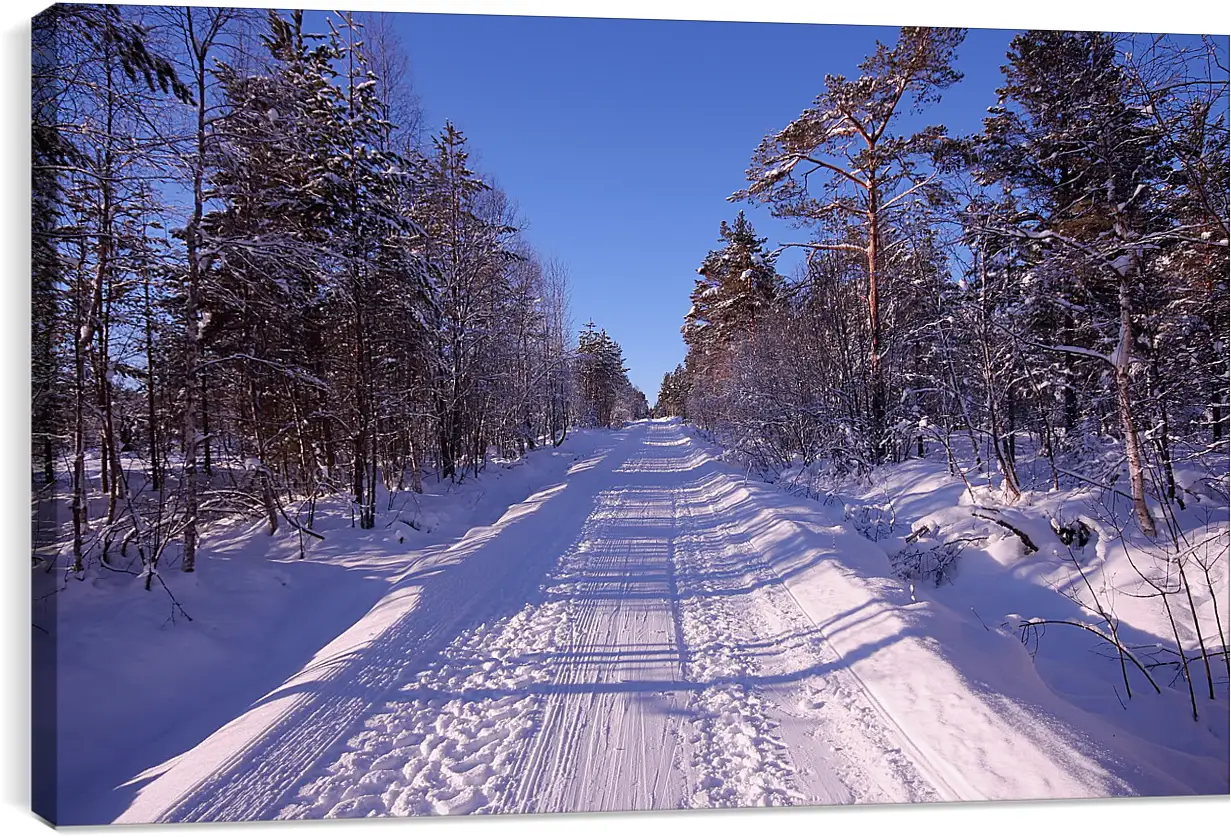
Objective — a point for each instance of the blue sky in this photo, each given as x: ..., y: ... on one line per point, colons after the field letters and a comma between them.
x: 620, y: 140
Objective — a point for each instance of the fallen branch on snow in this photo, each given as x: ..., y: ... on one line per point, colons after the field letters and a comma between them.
x: 1031, y: 547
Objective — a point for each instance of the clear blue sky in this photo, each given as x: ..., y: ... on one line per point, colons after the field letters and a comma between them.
x: 621, y: 139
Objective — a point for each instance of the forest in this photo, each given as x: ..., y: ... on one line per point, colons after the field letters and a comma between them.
x: 1055, y: 282
x: 256, y: 284
x: 1043, y: 305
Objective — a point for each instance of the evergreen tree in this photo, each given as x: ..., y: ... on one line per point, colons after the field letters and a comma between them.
x: 673, y: 394
x: 464, y: 253
x: 734, y: 285
x: 841, y: 167
x: 1091, y: 167
x: 602, y: 377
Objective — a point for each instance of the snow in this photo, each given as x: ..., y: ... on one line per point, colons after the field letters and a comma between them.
x: 1123, y: 263
x: 259, y: 613
x: 1066, y: 673
x: 622, y: 623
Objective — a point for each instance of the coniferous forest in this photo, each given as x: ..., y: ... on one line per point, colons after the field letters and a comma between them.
x: 254, y: 276
x: 1058, y: 278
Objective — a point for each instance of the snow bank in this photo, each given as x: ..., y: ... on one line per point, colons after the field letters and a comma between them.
x: 991, y: 717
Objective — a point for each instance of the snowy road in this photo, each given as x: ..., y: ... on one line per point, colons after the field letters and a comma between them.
x: 608, y: 645
x: 642, y: 675
x: 615, y: 642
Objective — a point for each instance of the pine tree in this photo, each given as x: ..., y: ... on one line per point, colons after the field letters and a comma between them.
x: 673, y: 394
x: 463, y: 252
x: 734, y: 284
x: 844, y: 148
x: 366, y: 171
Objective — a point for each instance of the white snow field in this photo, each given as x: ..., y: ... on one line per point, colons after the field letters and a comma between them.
x: 647, y: 629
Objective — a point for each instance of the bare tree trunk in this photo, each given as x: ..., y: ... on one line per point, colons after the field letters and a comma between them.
x: 267, y: 489
x: 100, y: 308
x: 151, y: 403
x: 1070, y: 390
x: 82, y: 336
x: 1007, y: 470
x: 416, y: 478
x: 1011, y: 438
x: 1163, y: 440
x: 992, y: 385
x: 1124, y: 398
x: 1049, y: 434
x: 207, y: 464
x: 110, y: 453
x: 192, y: 328
x: 876, y: 383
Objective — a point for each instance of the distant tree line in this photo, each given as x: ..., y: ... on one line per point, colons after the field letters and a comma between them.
x: 1058, y: 277
x: 605, y: 395
x: 256, y: 284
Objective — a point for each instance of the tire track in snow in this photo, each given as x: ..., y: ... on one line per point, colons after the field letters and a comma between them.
x: 609, y: 737
x: 845, y: 749
x: 451, y: 740
x: 737, y: 758
x: 544, y: 711
x: 444, y: 744
x: 653, y: 670
x: 258, y: 778
x: 658, y: 664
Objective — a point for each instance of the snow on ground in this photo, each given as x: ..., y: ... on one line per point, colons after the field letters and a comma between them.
x: 643, y: 628
x: 994, y: 583
x: 138, y: 684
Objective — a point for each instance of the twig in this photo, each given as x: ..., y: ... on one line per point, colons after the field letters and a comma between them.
x: 1127, y: 653
x: 175, y: 603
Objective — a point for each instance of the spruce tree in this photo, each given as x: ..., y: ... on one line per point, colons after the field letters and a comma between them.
x: 1090, y: 165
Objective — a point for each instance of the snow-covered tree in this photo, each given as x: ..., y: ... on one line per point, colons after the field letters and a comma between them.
x: 604, y: 394
x: 841, y: 168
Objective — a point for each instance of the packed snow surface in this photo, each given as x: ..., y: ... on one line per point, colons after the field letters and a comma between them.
x: 647, y: 629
